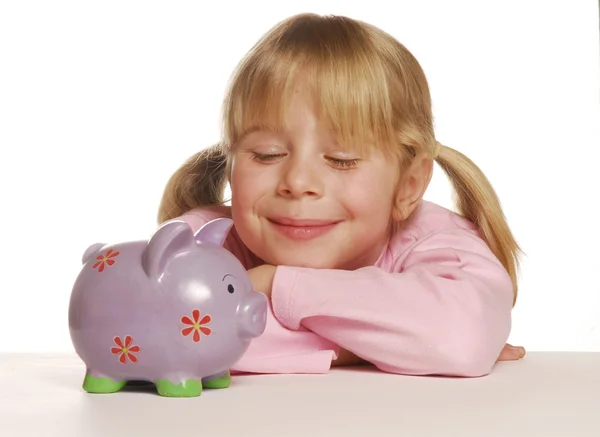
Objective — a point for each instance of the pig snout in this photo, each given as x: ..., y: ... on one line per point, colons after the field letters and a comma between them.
x: 253, y: 315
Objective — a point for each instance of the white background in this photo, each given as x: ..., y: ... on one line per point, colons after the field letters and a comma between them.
x: 101, y: 101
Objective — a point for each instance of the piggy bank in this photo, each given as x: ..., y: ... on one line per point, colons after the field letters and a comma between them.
x: 177, y: 310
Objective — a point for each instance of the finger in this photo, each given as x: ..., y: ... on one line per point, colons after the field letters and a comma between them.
x: 508, y: 355
x: 511, y: 353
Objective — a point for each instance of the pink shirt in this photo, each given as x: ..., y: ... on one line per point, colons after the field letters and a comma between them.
x: 436, y: 302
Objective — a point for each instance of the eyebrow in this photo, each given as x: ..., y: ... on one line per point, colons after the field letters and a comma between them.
x: 226, y: 276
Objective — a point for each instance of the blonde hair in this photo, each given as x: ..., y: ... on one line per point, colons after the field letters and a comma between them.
x: 370, y: 90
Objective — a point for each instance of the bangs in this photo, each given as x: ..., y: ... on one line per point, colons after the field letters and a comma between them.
x: 337, y: 67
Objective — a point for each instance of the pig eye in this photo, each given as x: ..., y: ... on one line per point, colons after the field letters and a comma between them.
x: 230, y: 288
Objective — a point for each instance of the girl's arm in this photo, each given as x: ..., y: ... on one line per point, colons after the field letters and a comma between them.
x: 445, y: 309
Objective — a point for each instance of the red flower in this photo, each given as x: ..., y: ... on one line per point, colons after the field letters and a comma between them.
x: 126, y: 350
x: 105, y: 259
x: 196, y: 325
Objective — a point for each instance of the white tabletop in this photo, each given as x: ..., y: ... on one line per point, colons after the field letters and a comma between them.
x: 545, y: 394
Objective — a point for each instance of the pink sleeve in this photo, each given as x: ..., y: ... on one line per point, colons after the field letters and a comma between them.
x: 446, y: 310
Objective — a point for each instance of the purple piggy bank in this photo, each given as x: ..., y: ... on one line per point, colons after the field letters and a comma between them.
x: 177, y: 310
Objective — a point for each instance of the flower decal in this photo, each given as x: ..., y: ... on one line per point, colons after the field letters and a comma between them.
x: 196, y: 325
x: 105, y: 259
x: 126, y: 350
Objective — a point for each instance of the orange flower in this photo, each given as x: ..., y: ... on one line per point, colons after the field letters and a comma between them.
x: 105, y: 259
x: 126, y: 350
x: 196, y: 325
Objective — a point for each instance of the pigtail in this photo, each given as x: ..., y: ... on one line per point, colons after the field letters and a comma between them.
x: 200, y: 181
x: 477, y: 201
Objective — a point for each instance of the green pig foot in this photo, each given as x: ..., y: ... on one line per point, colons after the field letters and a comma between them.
x: 187, y: 389
x: 92, y: 384
x: 222, y: 380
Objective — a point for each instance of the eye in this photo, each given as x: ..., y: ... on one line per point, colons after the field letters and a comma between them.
x: 265, y: 158
x: 343, y: 164
x: 230, y: 288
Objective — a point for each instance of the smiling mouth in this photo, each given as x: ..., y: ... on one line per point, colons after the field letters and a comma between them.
x: 302, y: 229
x: 283, y: 221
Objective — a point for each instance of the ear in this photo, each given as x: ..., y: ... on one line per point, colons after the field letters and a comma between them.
x: 169, y: 239
x: 215, y: 231
x: 91, y: 251
x: 412, y: 188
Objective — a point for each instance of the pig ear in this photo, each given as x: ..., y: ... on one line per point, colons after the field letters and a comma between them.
x: 169, y: 239
x: 215, y: 231
x: 91, y: 251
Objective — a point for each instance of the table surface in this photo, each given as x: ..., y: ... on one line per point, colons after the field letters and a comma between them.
x: 546, y: 394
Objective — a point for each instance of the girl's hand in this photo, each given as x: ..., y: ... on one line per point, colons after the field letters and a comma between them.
x: 511, y: 353
x: 261, y: 278
x: 347, y: 358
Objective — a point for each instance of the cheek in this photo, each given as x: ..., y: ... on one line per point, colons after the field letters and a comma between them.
x: 248, y: 185
x: 371, y: 208
x: 241, y: 175
x: 368, y: 197
x: 243, y: 199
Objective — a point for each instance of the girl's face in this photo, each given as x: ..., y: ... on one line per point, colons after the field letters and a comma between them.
x: 299, y: 200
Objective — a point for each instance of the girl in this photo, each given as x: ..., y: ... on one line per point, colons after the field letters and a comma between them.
x: 328, y: 146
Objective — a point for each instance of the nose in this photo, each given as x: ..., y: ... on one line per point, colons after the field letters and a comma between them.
x: 253, y: 316
x: 299, y: 179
